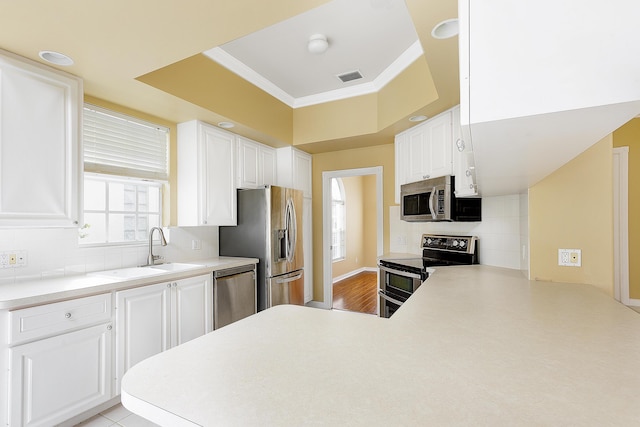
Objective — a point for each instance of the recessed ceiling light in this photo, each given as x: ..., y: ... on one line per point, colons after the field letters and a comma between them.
x: 55, y: 57
x: 445, y: 29
x: 226, y: 125
x: 417, y: 118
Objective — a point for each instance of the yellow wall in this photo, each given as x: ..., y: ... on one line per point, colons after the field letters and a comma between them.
x: 572, y: 208
x: 380, y: 155
x: 354, y: 222
x: 361, y: 225
x: 629, y: 135
x: 169, y: 209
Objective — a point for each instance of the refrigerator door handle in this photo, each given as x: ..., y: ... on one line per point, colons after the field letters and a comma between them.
x: 289, y: 279
x: 291, y: 230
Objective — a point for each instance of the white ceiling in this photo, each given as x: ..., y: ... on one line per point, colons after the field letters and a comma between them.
x: 375, y: 37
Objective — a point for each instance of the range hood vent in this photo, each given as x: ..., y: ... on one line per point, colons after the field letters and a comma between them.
x: 351, y: 75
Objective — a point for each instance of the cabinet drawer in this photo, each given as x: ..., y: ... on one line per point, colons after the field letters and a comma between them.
x: 44, y: 320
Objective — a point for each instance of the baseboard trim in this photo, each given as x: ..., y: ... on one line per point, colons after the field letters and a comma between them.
x: 353, y: 273
x: 634, y: 302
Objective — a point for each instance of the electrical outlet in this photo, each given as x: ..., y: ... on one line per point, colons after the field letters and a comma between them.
x: 11, y: 259
x: 196, y: 244
x: 570, y: 257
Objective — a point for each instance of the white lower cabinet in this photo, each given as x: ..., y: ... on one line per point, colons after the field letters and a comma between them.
x: 57, y: 378
x: 154, y: 318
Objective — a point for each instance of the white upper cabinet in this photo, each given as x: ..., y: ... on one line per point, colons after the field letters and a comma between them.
x: 533, y: 97
x: 294, y: 169
x: 463, y: 161
x: 424, y: 151
x: 40, y: 158
x: 206, y: 175
x: 256, y: 164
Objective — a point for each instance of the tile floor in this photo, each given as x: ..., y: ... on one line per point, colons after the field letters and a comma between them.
x: 116, y: 416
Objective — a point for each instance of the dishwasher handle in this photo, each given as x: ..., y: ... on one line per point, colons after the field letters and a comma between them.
x: 233, y: 271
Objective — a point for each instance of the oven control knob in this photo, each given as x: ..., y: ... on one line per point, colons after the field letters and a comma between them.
x: 462, y: 243
x: 429, y: 241
x: 455, y: 243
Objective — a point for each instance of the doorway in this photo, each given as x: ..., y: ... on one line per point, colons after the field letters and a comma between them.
x: 330, y: 246
x: 621, y: 224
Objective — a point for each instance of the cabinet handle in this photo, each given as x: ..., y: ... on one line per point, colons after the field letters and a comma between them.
x: 67, y: 315
x: 460, y: 144
x: 471, y: 186
x: 168, y: 285
x: 109, y: 327
x: 204, y: 222
x: 425, y: 176
x: 175, y: 284
x: 468, y: 172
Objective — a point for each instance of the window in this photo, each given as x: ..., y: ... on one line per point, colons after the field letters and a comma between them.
x: 339, y: 220
x: 126, y: 164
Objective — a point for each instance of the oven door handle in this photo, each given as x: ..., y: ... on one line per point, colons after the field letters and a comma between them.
x: 383, y: 295
x: 399, y: 273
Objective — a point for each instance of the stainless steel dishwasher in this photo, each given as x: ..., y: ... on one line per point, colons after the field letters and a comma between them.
x: 234, y: 294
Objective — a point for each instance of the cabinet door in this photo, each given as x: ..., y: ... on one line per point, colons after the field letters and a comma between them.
x: 267, y: 161
x: 39, y: 118
x: 143, y: 317
x: 302, y: 172
x: 248, y: 164
x: 218, y: 186
x: 439, y: 149
x: 417, y: 152
x: 192, y: 302
x: 402, y: 159
x: 57, y: 378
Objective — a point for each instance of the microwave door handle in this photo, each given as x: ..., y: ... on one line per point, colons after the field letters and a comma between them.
x: 388, y: 298
x: 398, y: 272
x: 431, y: 204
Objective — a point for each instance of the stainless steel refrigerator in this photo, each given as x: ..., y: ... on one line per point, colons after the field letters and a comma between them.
x: 270, y: 229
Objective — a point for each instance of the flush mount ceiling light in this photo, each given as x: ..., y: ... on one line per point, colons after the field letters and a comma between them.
x: 55, y: 57
x: 445, y: 29
x: 417, y: 118
x: 317, y: 44
x: 226, y: 125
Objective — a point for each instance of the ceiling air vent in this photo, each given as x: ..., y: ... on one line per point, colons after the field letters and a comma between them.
x: 351, y: 75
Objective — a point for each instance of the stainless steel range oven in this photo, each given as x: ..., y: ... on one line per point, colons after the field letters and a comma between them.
x: 400, y: 277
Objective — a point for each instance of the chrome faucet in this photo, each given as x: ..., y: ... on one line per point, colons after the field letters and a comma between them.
x: 151, y: 260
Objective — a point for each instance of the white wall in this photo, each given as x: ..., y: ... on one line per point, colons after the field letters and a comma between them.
x: 501, y: 232
x: 53, y: 252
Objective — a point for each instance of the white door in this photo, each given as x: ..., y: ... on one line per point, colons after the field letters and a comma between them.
x: 56, y: 378
x: 143, y: 317
x: 39, y: 118
x: 192, y: 302
x: 218, y: 184
x: 438, y: 149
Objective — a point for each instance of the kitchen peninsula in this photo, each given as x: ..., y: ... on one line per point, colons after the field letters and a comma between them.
x: 475, y: 345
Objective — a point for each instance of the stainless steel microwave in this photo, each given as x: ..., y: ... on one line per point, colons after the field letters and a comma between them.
x: 435, y: 200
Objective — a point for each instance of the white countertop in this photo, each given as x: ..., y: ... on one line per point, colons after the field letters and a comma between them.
x: 47, y: 290
x: 475, y: 345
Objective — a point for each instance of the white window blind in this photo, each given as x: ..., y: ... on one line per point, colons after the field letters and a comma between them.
x: 121, y: 145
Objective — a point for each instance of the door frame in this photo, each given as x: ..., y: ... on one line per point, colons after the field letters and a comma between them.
x: 327, y: 176
x: 621, y: 225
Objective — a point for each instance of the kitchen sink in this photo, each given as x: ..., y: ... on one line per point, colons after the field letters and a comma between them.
x: 127, y: 273
x: 174, y: 266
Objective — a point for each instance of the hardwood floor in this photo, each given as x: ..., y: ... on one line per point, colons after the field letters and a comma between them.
x: 357, y: 293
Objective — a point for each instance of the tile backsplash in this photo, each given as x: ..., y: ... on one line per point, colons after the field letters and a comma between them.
x: 53, y: 252
x: 503, y: 231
